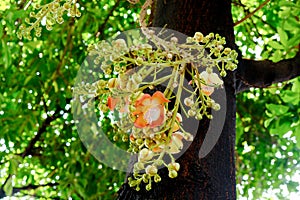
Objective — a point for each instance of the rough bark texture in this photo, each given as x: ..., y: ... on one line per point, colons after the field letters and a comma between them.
x: 212, y: 177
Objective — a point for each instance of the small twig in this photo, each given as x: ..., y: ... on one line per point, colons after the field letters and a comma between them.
x: 251, y: 13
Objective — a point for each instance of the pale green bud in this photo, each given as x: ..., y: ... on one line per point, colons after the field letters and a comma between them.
x: 173, y: 174
x: 191, y: 113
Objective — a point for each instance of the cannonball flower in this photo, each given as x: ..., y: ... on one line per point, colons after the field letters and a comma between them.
x: 150, y: 110
x: 209, y: 79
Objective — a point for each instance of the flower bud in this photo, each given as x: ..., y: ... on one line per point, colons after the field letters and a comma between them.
x: 145, y: 154
x: 209, y: 70
x: 188, y: 101
x: 139, y: 166
x: 174, y: 166
x: 191, y: 113
x: 173, y: 174
x: 216, y: 106
x: 227, y: 51
x: 198, y: 37
x: 169, y: 56
x: 148, y: 187
x: 223, y: 73
x: 157, y: 178
x: 139, y: 61
x: 151, y: 170
x: 199, y: 116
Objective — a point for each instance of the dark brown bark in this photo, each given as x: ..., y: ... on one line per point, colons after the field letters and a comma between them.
x: 251, y: 73
x: 212, y: 177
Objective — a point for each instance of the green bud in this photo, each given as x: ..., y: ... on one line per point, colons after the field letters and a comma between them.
x: 139, y: 166
x: 132, y: 183
x: 139, y: 141
x: 223, y: 73
x: 157, y: 178
x: 173, y: 174
x: 139, y: 61
x: 115, y: 138
x: 209, y: 116
x: 148, y: 187
x: 227, y: 51
x: 60, y: 20
x: 67, y: 6
x: 198, y: 116
x: 124, y: 138
x: 191, y: 113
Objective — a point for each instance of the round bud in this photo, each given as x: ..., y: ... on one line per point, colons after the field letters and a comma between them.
x: 191, y: 113
x: 173, y: 174
x: 174, y: 39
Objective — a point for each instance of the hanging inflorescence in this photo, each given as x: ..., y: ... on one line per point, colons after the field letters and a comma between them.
x: 151, y: 117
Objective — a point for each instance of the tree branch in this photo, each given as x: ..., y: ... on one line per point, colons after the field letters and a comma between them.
x: 261, y: 74
x: 41, y: 130
x: 251, y: 13
x: 102, y: 27
x: 27, y: 187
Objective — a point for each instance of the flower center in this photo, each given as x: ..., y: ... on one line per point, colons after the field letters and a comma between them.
x: 152, y: 114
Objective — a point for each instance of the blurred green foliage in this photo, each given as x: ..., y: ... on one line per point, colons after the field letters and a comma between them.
x: 41, y: 154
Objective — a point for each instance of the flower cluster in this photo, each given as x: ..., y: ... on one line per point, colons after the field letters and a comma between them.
x: 151, y: 117
x: 48, y: 15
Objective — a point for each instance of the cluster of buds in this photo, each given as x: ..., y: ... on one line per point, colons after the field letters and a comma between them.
x: 153, y: 128
x: 47, y: 15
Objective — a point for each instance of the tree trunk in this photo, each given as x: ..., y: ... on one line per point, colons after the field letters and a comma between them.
x: 212, y: 177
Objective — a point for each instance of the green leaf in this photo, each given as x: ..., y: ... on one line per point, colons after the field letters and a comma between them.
x: 267, y: 122
x: 7, y: 55
x: 287, y: 4
x: 283, y: 36
x: 8, y: 188
x: 13, y: 166
x: 297, y: 135
x: 1, y: 30
x: 296, y: 86
x: 282, y: 126
x: 292, y: 186
x: 291, y: 97
x: 276, y: 56
x: 295, y: 40
x: 275, y: 45
x: 277, y: 109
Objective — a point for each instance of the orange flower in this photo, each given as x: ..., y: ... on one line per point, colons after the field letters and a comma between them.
x: 112, y: 102
x: 150, y: 111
